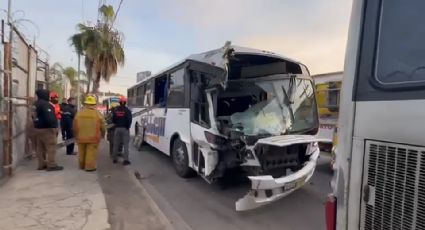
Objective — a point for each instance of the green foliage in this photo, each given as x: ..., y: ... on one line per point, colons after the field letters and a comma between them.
x: 102, y: 47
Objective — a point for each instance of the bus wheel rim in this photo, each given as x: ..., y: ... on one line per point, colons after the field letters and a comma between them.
x: 179, y: 157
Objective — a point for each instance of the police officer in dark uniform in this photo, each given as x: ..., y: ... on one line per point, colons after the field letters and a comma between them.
x: 46, y: 126
x: 68, y: 115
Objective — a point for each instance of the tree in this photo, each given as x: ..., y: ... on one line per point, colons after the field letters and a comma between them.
x: 102, y: 47
x: 87, y: 42
x: 71, y: 74
x: 55, y: 78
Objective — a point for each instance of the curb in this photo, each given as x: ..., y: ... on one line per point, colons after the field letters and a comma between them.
x: 156, y: 209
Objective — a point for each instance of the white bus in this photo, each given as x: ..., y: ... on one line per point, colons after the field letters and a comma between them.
x: 109, y: 103
x: 380, y: 178
x: 233, y: 107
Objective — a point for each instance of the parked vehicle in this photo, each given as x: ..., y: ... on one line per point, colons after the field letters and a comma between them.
x: 380, y: 160
x: 233, y: 107
x: 110, y: 102
x: 328, y: 90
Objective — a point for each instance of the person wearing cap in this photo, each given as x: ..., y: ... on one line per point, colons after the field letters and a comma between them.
x: 54, y: 99
x: 45, y: 124
x: 89, y: 128
x: 121, y: 118
x: 68, y: 114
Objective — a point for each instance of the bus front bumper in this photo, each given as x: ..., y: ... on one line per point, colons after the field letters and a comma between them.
x: 266, y: 189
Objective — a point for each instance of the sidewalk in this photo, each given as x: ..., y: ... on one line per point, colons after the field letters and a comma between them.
x: 109, y: 199
x: 41, y: 200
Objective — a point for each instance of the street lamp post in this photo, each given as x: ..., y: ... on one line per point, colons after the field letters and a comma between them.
x: 78, y: 83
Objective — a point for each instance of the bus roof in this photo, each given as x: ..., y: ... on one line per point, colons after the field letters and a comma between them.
x: 215, y: 58
x: 327, y: 77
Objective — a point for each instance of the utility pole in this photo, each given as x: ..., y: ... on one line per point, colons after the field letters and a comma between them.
x: 78, y: 83
x: 7, y: 138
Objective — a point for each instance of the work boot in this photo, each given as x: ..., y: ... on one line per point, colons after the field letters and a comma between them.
x: 54, y: 168
x: 126, y: 162
x: 42, y: 168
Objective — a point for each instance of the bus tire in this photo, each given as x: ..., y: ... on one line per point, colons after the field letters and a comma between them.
x: 180, y: 159
x: 141, y: 137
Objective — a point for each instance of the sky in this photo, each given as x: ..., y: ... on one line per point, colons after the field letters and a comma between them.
x: 159, y: 33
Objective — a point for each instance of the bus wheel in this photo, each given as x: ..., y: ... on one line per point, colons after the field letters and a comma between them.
x: 181, y: 159
x: 139, y: 139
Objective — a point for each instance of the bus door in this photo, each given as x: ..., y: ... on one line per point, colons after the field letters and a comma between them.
x: 176, y: 116
x: 202, y: 77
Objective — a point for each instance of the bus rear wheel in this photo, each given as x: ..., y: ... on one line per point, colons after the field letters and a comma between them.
x: 181, y: 159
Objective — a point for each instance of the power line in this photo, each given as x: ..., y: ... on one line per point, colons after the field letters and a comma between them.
x: 118, y: 10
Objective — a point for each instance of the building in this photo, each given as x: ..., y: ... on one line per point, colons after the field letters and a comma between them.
x: 142, y: 75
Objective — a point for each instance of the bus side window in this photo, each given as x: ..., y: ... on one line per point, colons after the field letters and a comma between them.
x: 140, y: 92
x: 333, y: 96
x: 176, y: 95
x: 147, y: 99
x: 161, y: 91
x: 198, y: 101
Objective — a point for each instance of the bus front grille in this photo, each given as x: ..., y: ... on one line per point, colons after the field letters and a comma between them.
x: 395, y: 183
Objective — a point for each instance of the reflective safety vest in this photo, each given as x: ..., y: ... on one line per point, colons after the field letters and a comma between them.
x: 89, y: 126
x: 57, y: 110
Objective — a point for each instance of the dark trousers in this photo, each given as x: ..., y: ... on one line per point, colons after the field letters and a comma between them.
x: 121, y: 135
x: 68, y: 134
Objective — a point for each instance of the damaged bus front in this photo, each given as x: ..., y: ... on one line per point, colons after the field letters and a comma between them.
x: 233, y: 107
x: 259, y: 113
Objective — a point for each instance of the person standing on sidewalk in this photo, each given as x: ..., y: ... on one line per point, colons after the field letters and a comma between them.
x: 62, y: 107
x: 89, y: 127
x: 68, y: 115
x: 54, y: 100
x: 46, y: 125
x: 121, y: 118
x: 110, y: 130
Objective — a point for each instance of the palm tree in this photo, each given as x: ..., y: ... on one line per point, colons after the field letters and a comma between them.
x: 102, y: 47
x: 111, y: 53
x: 71, y: 74
x: 87, y: 42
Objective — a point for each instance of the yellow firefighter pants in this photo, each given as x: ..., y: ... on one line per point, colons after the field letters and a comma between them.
x: 87, y: 156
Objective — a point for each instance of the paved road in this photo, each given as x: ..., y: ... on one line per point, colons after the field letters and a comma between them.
x: 203, y: 206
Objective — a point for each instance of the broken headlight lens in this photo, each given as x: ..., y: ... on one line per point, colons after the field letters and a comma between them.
x: 214, y: 139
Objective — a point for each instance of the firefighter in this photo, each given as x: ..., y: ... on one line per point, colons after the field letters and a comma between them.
x: 121, y: 118
x: 45, y: 124
x: 89, y: 128
x: 68, y: 113
x: 54, y: 100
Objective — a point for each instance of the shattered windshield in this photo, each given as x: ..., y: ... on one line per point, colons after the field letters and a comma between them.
x: 270, y: 107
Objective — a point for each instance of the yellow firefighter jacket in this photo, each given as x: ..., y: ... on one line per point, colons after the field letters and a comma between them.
x: 89, y: 126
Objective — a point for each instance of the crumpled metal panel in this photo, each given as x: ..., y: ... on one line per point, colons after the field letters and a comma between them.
x: 266, y: 189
